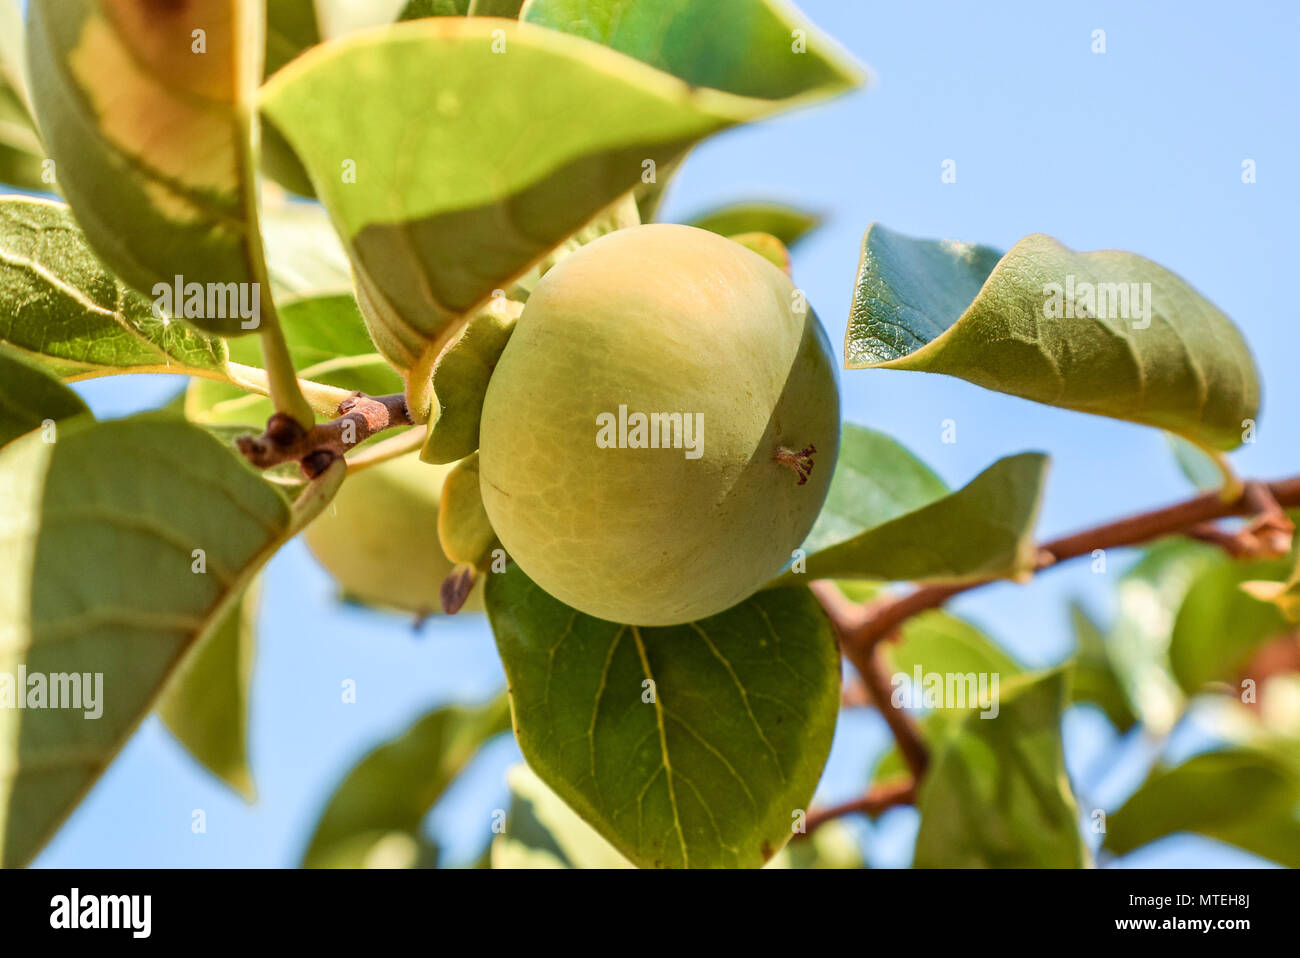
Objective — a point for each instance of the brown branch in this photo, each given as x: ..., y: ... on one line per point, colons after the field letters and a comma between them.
x: 878, y: 800
x: 360, y: 417
x: 860, y: 628
x: 864, y: 626
x: 866, y: 659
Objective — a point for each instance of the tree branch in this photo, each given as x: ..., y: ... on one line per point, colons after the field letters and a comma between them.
x: 878, y: 800
x: 860, y: 628
x: 360, y: 417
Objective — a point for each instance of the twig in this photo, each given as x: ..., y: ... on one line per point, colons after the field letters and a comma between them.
x: 360, y: 417
x: 865, y: 626
x: 878, y: 800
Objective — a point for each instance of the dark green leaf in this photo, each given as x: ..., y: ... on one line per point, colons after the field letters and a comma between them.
x: 415, y: 9
x: 982, y: 531
x: 686, y: 746
x: 495, y: 8
x: 1168, y: 358
x: 29, y: 398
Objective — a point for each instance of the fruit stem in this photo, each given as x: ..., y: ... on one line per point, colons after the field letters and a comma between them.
x: 801, y: 462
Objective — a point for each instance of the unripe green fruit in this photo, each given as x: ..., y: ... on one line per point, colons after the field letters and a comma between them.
x: 659, y: 319
x: 379, y: 537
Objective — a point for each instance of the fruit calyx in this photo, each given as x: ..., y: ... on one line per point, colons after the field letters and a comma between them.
x: 801, y: 462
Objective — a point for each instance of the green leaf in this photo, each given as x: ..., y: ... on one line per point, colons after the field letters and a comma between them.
x: 686, y: 746
x: 391, y: 790
x: 968, y: 311
x: 543, y: 832
x: 1093, y: 677
x: 415, y: 9
x: 746, y: 47
x: 997, y: 795
x: 982, y: 531
x: 21, y: 153
x: 431, y: 241
x: 1220, y: 625
x: 1246, y: 797
x: 101, y: 577
x: 29, y: 398
x: 206, y: 703
x: 495, y: 8
x: 787, y: 224
x: 1150, y: 595
x: 291, y: 27
x: 876, y: 479
x: 460, y: 381
x: 60, y: 309
x: 156, y: 164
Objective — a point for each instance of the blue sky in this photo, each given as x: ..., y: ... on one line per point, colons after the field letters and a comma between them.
x: 1138, y: 148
